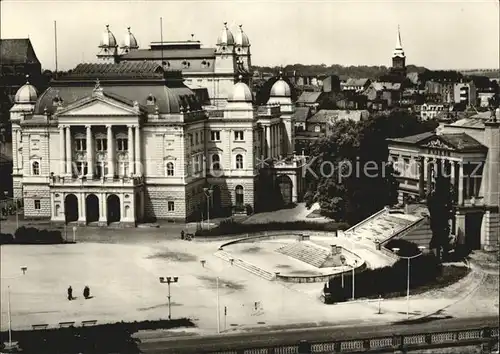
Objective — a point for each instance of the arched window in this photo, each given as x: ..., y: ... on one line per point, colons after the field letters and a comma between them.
x: 239, y: 161
x: 170, y: 169
x: 215, y: 162
x: 238, y: 191
x: 36, y: 168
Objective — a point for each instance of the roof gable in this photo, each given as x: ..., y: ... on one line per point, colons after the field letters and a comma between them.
x: 100, y: 106
x: 437, y: 142
x: 17, y: 51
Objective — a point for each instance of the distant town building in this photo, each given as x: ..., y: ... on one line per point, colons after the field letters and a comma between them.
x: 431, y: 111
x: 398, y: 58
x: 356, y: 85
x: 465, y: 93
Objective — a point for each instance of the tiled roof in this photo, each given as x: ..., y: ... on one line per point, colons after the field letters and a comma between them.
x: 142, y: 69
x: 458, y: 141
x: 4, y: 159
x: 301, y: 114
x: 469, y: 123
x: 413, y: 139
x: 309, y: 97
x: 462, y: 142
x: 17, y: 51
x: 169, y: 100
x: 356, y: 82
x: 330, y: 115
x: 380, y: 86
x: 166, y: 54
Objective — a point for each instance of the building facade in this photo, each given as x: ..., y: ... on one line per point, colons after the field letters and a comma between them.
x: 129, y: 142
x: 468, y: 152
x: 216, y: 69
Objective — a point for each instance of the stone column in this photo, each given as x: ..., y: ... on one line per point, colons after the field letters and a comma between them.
x: 82, y: 219
x: 131, y: 148
x: 138, y: 160
x: 268, y: 140
x: 62, y: 150
x: 90, y: 153
x: 429, y: 174
x: 421, y: 180
x: 111, y: 160
x: 69, y: 158
x: 460, y: 179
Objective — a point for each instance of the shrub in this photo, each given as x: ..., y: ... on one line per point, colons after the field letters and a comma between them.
x: 32, y: 235
x: 231, y: 227
x: 406, y: 248
x: 5, y: 239
x: 382, y: 281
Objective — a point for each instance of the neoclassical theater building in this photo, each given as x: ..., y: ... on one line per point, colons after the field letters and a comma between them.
x: 467, y: 151
x: 127, y: 142
x: 215, y: 69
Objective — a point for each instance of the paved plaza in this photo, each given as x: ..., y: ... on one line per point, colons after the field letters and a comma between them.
x: 124, y: 283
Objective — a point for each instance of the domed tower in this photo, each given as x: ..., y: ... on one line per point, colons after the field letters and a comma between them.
x: 398, y: 57
x: 239, y: 99
x: 24, y: 105
x: 108, y: 48
x: 225, y: 59
x: 281, y: 94
x: 129, y: 42
x: 242, y: 48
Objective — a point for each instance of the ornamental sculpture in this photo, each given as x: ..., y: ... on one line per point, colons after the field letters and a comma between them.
x: 437, y: 144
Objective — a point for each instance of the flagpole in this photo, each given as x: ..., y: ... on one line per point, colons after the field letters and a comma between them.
x: 161, y: 39
x: 55, y: 45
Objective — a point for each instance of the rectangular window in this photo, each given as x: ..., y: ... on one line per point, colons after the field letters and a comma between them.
x: 215, y: 135
x: 170, y: 206
x: 80, y: 144
x: 196, y: 138
x: 122, y: 144
x: 238, y: 135
x: 191, y: 139
x: 37, y: 204
x: 101, y: 144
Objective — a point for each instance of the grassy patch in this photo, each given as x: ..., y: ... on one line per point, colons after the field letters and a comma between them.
x: 211, y: 283
x: 174, y: 256
x: 253, y: 249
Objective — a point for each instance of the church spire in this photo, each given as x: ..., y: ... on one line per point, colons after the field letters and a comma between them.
x: 398, y: 51
x: 398, y: 40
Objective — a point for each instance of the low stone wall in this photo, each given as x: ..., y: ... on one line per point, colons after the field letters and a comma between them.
x: 318, y: 278
x: 300, y: 236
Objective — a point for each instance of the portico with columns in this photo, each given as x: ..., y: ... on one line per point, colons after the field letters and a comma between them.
x: 470, y: 158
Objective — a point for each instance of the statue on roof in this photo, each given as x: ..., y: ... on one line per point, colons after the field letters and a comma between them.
x: 97, y: 87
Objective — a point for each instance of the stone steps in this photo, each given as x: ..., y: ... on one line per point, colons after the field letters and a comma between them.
x: 245, y: 265
x: 315, y: 256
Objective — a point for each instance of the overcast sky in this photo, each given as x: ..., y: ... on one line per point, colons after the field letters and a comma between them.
x: 435, y: 34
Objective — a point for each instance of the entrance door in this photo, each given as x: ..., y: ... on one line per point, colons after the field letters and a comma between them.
x: 473, y: 230
x: 284, y: 184
x: 92, y: 208
x: 71, y: 208
x: 113, y: 208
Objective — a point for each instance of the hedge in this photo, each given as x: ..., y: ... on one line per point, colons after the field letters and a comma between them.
x: 374, y: 282
x: 406, y: 248
x: 117, y: 337
x: 31, y: 235
x: 231, y: 227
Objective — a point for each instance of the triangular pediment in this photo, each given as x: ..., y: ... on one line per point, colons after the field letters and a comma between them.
x: 437, y: 143
x: 98, y: 106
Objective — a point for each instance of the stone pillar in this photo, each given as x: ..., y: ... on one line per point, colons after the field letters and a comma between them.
x: 62, y: 150
x: 111, y: 160
x: 103, y: 211
x: 131, y: 148
x: 90, y: 153
x: 460, y: 179
x: 138, y: 158
x: 429, y: 174
x: 421, y: 179
x: 69, y: 158
x: 268, y: 140
x: 460, y: 227
x: 279, y: 134
x: 82, y: 219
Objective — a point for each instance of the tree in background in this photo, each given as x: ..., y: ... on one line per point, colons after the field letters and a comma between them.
x: 440, y: 205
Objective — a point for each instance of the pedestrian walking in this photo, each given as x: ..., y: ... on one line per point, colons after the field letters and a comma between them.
x: 182, y: 235
x: 70, y: 293
x: 86, y: 292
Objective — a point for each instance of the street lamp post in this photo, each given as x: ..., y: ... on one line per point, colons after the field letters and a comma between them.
x: 218, y: 309
x: 353, y: 268
x: 396, y: 250
x: 9, y: 313
x: 168, y: 281
x: 208, y: 194
x: 342, y: 259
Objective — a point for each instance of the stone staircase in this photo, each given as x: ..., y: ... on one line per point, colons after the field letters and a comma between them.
x: 381, y: 227
x: 305, y: 252
x: 245, y: 265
